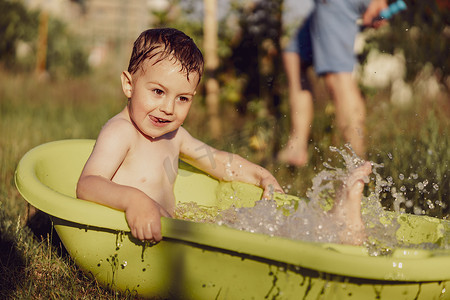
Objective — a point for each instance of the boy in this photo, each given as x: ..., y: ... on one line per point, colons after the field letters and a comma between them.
x: 126, y: 168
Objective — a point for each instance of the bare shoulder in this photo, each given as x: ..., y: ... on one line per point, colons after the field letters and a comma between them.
x: 112, y: 145
x: 116, y: 136
x: 118, y: 128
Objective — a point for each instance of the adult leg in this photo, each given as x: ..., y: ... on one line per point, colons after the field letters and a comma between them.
x: 301, y: 113
x: 350, y: 109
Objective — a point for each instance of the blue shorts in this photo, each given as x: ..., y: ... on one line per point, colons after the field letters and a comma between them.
x: 327, y: 37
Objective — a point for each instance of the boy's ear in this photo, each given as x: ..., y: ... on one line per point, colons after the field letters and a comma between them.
x: 127, y: 83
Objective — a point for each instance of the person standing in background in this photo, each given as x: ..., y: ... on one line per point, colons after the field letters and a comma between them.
x: 326, y: 41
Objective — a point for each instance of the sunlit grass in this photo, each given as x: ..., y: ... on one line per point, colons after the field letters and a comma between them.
x: 408, y: 140
x: 34, y: 112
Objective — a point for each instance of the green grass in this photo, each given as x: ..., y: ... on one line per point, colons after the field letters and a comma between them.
x: 31, y: 266
x: 412, y: 140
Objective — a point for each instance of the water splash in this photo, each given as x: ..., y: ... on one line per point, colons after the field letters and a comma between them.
x: 198, y: 213
x: 312, y: 220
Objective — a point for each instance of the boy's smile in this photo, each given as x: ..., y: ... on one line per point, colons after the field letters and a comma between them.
x: 160, y: 96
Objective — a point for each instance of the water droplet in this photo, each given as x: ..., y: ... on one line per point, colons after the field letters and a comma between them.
x: 430, y: 204
x: 124, y: 264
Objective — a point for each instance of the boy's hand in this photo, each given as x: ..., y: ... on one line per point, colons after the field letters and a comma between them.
x: 144, y: 218
x: 270, y: 185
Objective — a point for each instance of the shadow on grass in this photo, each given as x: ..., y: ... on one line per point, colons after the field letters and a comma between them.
x: 12, y: 267
x: 13, y: 261
x: 41, y: 226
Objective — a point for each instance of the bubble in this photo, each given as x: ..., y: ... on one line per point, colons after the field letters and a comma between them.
x: 418, y: 211
x: 390, y: 180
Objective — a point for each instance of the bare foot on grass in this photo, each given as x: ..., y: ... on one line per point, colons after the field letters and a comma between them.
x: 293, y: 154
x: 301, y: 112
x: 347, y: 208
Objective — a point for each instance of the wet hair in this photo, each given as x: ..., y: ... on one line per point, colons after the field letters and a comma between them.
x: 164, y: 43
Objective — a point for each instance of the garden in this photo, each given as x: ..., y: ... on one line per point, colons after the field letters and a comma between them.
x: 407, y: 126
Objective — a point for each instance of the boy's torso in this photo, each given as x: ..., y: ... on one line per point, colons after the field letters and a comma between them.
x: 151, y: 166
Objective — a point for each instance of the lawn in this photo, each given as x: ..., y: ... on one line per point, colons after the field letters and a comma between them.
x: 411, y: 141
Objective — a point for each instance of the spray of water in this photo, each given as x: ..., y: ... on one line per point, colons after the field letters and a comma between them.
x: 313, y: 219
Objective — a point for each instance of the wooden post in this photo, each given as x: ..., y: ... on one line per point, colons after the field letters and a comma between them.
x: 210, y: 32
x: 41, y: 56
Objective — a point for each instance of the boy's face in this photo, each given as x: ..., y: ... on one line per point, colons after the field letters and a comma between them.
x: 160, y: 96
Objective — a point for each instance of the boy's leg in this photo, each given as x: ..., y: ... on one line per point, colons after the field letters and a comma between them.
x: 350, y: 109
x: 301, y: 113
x: 347, y: 208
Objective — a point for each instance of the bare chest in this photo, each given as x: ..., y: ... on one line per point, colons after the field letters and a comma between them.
x: 152, y: 168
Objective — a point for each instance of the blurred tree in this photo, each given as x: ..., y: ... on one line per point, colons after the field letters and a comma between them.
x: 183, y: 15
x: 255, y: 61
x: 256, y: 52
x: 16, y: 24
x: 64, y: 54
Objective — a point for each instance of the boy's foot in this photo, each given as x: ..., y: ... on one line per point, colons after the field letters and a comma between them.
x: 293, y: 155
x: 348, y: 205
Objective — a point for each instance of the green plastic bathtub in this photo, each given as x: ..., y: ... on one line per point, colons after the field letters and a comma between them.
x: 207, y: 261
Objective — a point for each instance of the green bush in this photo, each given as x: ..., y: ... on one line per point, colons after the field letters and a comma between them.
x: 65, y: 53
x: 16, y: 24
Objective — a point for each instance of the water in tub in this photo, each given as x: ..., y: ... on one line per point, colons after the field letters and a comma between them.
x: 311, y: 220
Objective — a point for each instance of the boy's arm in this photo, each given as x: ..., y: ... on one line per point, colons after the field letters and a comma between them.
x: 225, y: 166
x: 142, y: 213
